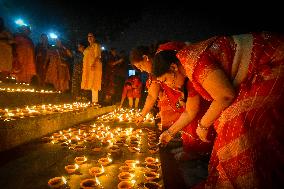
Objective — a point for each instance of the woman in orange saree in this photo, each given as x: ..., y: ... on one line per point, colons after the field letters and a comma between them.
x: 243, y: 78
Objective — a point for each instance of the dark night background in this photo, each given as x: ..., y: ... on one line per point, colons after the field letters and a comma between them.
x: 126, y: 24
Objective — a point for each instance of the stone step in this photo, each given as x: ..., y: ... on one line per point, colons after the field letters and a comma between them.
x: 19, y: 99
x: 17, y: 132
x: 20, y: 95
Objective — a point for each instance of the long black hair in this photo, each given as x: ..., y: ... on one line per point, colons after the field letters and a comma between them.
x: 162, y: 62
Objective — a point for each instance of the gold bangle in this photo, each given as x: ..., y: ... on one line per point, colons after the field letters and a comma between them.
x: 201, y: 126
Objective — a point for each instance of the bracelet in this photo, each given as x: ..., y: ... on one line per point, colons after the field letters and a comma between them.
x: 169, y: 133
x: 201, y: 126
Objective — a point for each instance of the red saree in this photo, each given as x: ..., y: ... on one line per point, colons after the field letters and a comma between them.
x: 172, y: 106
x: 248, y: 150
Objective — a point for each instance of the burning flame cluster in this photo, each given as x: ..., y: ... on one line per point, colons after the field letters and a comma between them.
x: 125, y: 115
x: 100, y: 134
x: 31, y: 111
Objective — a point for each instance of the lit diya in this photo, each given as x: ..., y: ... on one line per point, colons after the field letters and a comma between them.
x: 114, y: 149
x: 154, y: 149
x: 133, y: 138
x: 79, y: 147
x: 119, y: 142
x: 104, y: 161
x: 125, y: 176
x: 96, y: 171
x: 152, y: 167
x: 80, y: 160
x: 97, y: 149
x: 135, y: 142
x: 57, y: 182
x: 151, y: 160
x: 71, y: 168
x: 152, y: 185
x: 133, y: 149
x: 152, y: 144
x: 89, y: 183
x: 126, y: 169
x: 125, y: 184
x: 150, y: 176
x: 131, y: 163
x: 152, y: 138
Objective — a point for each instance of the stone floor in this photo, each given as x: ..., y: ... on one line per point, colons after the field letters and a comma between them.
x: 30, y: 166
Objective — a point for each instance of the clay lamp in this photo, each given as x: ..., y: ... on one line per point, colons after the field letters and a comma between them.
x: 71, y: 168
x: 80, y: 160
x: 152, y: 138
x: 57, y: 182
x: 89, y: 183
x: 105, y: 161
x: 97, y: 149
x: 151, y: 160
x: 150, y: 176
x: 119, y: 142
x: 125, y: 176
x: 125, y: 184
x: 131, y: 163
x: 126, y: 169
x: 134, y: 149
x: 152, y: 144
x: 152, y: 167
x: 152, y: 185
x: 114, y: 149
x: 79, y: 147
x: 96, y: 171
x: 154, y: 149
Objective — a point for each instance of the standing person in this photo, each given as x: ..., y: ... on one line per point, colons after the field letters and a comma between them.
x: 92, y: 68
x: 6, y: 56
x: 243, y: 78
x: 58, y: 69
x: 24, y: 56
x: 42, y: 58
x: 77, y: 71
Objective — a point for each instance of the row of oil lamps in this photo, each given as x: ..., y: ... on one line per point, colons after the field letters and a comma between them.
x: 113, y: 139
x: 32, y: 111
x: 125, y: 115
x: 19, y: 88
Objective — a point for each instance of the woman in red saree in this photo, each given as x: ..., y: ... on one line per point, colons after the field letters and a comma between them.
x: 168, y: 98
x: 141, y: 57
x: 243, y: 77
x: 171, y: 104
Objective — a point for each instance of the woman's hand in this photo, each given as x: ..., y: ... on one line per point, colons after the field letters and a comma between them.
x: 165, y: 137
x: 202, y: 134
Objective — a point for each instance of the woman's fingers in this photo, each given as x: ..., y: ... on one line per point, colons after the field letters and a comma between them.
x: 202, y: 134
